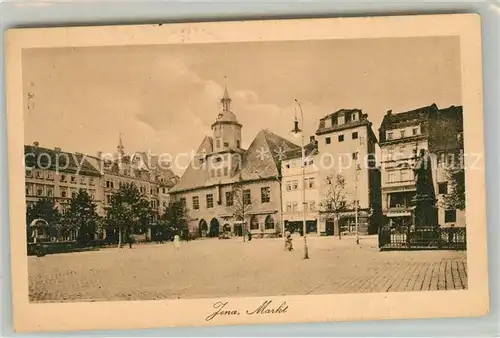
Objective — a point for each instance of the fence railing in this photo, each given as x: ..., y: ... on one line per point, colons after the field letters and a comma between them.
x: 453, y: 238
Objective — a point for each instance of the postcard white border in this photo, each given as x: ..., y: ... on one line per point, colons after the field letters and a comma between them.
x: 318, y: 308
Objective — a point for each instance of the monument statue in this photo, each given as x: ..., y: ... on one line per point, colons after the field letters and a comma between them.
x: 425, y: 211
x: 423, y: 176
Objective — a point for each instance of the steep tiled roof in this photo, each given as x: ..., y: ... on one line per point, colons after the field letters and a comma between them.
x: 261, y: 160
x: 58, y: 160
x: 310, y: 150
x: 263, y: 157
x: 391, y: 120
x: 196, y: 174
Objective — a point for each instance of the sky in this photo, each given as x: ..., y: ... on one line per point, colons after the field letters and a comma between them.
x: 164, y: 98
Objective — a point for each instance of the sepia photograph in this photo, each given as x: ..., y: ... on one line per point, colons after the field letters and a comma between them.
x: 254, y: 168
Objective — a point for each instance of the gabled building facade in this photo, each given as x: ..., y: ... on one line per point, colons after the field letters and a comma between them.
x: 222, y: 170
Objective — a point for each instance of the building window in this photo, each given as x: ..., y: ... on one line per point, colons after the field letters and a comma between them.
x: 210, y: 200
x: 389, y: 135
x: 50, y: 191
x: 328, y: 140
x: 288, y: 185
x: 182, y: 202
x: 91, y: 181
x: 164, y: 190
x: 229, y: 198
x: 295, y: 206
x: 295, y: 184
x: 226, y: 144
x: 450, y: 216
x: 312, y: 205
x: 355, y: 135
x: 226, y: 171
x: 157, y: 190
x: 218, y: 143
x: 29, y: 189
x: 269, y: 223
x: 443, y: 188
x: 391, y: 177
x: 415, y: 131
x: 237, y: 143
x: 29, y: 173
x: 63, y: 178
x: 354, y: 116
x: 247, y: 197
x: 405, y: 175
x: 403, y: 133
x: 73, y: 179
x: 39, y: 191
x: 309, y: 182
x: 63, y: 192
x: 254, y: 223
x: 82, y: 180
x: 196, y: 202
x: 73, y: 194
x: 341, y: 138
x: 354, y: 156
x: 265, y: 195
x: 390, y: 153
x: 219, y: 172
x: 50, y: 175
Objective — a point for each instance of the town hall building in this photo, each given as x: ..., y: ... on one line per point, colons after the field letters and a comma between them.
x: 230, y: 189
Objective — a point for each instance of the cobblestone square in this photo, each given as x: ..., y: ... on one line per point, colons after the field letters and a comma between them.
x: 220, y: 268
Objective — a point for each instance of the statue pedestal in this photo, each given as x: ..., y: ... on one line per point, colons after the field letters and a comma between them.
x: 425, y: 213
x: 425, y: 220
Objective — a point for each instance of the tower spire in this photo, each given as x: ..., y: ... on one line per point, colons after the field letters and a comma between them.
x: 120, y: 143
x: 226, y: 100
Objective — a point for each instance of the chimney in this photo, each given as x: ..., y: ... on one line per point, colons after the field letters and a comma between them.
x: 57, y: 149
x: 99, y: 154
x: 389, y: 112
x: 36, y: 144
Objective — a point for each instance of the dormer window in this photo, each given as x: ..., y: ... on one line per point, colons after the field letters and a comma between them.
x: 403, y: 132
x: 390, y: 135
x: 354, y: 116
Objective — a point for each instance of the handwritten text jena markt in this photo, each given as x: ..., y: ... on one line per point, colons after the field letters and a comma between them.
x: 222, y: 309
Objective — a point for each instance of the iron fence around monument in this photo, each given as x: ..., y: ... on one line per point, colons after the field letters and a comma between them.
x: 410, y: 238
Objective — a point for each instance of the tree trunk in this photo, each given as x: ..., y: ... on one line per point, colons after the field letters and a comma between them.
x: 337, y: 225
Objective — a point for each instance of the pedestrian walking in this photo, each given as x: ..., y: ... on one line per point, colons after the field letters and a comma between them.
x: 288, y: 241
x: 131, y: 240
x: 177, y: 242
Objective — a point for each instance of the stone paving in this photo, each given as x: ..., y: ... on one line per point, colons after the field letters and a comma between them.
x: 218, y: 268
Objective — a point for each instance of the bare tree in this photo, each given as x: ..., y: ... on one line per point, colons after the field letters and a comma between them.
x: 335, y: 200
x: 241, y: 203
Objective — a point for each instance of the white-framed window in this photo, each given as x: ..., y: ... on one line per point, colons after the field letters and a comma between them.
x: 50, y: 175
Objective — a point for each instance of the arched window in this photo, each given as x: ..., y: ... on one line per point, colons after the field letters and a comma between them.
x: 254, y: 223
x: 269, y: 225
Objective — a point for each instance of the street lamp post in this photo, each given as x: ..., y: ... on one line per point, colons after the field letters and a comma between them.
x: 296, y: 130
x: 356, y: 195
